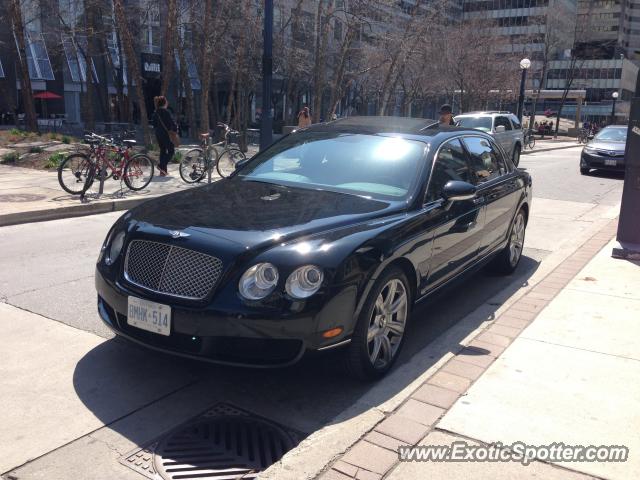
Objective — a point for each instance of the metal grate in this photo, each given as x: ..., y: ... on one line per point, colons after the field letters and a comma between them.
x: 222, y: 443
x: 171, y: 270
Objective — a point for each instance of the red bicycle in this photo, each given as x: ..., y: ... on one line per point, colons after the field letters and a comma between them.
x: 107, y: 158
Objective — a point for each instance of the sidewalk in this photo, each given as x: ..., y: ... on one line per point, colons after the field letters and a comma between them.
x: 561, y: 364
x: 549, y: 143
x: 29, y: 195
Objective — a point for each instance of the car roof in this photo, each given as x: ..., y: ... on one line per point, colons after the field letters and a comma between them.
x: 616, y: 126
x: 480, y: 113
x: 415, y: 127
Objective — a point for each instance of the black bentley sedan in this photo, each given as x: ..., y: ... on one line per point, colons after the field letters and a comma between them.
x: 605, y: 151
x: 324, y: 240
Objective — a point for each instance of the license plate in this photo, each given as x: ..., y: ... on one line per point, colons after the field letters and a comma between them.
x: 150, y: 316
x: 610, y: 163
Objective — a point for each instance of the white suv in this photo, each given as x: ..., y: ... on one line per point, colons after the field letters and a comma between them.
x: 503, y: 126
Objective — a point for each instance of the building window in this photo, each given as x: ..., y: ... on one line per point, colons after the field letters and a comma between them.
x: 117, y: 62
x: 37, y: 56
x: 192, y: 70
x: 151, y: 40
x: 76, y: 51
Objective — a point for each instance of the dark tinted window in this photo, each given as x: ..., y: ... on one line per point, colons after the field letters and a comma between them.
x: 451, y: 164
x: 516, y: 122
x: 504, y: 121
x: 485, y: 159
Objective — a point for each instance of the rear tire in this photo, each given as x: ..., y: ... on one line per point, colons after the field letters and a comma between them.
x: 227, y: 162
x: 72, y: 173
x: 506, y: 262
x: 138, y: 172
x: 193, y: 166
x: 380, y: 330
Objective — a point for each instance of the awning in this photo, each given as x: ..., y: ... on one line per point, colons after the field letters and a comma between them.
x: 47, y: 96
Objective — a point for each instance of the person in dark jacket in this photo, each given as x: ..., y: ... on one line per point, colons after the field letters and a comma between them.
x: 163, y: 123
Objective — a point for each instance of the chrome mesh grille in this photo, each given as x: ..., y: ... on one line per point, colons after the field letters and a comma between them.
x: 171, y: 270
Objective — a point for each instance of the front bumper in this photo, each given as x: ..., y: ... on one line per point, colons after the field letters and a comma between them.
x: 230, y: 338
x: 601, y: 162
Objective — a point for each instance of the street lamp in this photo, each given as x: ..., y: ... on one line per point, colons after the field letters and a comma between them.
x: 614, y: 95
x: 525, y: 64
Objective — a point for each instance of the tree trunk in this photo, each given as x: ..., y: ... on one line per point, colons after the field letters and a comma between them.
x: 169, y: 46
x: 319, y: 66
x: 186, y: 82
x: 337, y: 89
x: 134, y: 67
x: 30, y: 120
x: 205, y: 63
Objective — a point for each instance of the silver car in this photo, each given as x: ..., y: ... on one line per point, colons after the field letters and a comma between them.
x: 503, y: 126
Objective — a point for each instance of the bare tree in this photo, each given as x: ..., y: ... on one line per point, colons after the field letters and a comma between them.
x: 169, y: 45
x: 17, y: 25
x: 134, y: 66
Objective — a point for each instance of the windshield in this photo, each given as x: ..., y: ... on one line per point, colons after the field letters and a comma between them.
x: 612, y: 135
x: 385, y: 168
x: 479, y: 123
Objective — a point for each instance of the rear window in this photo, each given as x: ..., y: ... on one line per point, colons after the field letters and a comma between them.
x: 479, y: 123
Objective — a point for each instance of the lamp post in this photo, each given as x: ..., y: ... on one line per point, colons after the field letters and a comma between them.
x: 266, y: 123
x: 628, y: 237
x: 614, y: 95
x: 525, y: 64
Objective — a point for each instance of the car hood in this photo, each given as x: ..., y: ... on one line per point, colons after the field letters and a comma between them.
x: 607, y: 145
x: 251, y: 213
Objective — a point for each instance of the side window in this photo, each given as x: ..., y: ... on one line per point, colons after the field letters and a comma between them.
x: 485, y: 159
x: 451, y: 164
x: 504, y: 121
x: 516, y: 122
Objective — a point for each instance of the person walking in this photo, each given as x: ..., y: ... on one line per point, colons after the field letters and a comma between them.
x: 304, y: 118
x: 166, y: 132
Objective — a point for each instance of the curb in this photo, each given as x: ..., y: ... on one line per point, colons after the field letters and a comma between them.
x: 548, y: 149
x: 375, y: 454
x: 71, y: 211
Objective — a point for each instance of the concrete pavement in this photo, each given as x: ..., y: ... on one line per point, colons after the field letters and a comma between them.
x: 569, y: 376
x: 28, y: 195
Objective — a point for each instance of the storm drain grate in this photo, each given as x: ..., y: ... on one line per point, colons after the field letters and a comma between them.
x: 224, y: 443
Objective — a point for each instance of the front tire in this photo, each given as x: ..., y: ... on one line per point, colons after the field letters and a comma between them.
x: 138, y: 172
x: 508, y: 259
x: 379, y: 333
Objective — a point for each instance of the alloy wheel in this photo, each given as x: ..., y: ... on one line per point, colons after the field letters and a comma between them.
x: 516, y: 241
x: 387, y: 323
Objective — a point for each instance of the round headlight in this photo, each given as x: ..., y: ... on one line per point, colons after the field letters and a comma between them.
x: 115, y: 248
x: 304, y: 282
x: 258, y: 281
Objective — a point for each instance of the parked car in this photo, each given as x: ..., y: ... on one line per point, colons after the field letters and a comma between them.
x: 324, y: 240
x: 503, y: 126
x: 606, y: 150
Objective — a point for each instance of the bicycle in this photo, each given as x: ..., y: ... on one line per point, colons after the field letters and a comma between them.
x: 108, y: 158
x: 583, y: 135
x: 529, y: 139
x: 197, y: 162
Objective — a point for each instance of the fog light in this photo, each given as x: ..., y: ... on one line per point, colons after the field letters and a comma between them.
x: 334, y: 332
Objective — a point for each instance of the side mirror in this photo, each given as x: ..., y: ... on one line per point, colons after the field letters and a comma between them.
x: 500, y: 129
x: 456, y: 190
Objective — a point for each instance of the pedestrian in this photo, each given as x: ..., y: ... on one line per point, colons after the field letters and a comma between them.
x: 166, y: 132
x: 446, y: 116
x: 304, y: 118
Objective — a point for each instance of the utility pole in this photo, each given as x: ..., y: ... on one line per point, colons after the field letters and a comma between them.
x: 266, y: 124
x: 628, y: 237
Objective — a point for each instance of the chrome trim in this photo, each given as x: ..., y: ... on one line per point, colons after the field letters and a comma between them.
x: 334, y: 345
x: 171, y: 247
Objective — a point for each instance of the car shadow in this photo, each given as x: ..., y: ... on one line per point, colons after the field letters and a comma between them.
x: 140, y: 393
x: 606, y: 174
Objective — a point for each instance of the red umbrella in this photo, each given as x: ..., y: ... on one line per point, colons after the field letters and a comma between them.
x: 47, y: 96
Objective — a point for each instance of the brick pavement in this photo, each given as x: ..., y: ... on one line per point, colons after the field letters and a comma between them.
x: 375, y: 455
